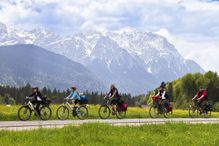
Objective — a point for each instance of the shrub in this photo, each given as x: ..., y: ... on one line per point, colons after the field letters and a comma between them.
x: 12, y: 101
x: 1, y: 100
x: 216, y: 106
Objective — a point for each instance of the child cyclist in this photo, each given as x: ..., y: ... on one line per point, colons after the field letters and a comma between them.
x: 74, y: 97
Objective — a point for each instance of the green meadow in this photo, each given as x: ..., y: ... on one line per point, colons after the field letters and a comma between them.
x: 10, y: 113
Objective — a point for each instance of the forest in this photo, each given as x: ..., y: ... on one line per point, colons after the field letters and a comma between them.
x: 180, y: 92
x: 14, y: 95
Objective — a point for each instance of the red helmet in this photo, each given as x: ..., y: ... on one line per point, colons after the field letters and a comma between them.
x: 73, y: 87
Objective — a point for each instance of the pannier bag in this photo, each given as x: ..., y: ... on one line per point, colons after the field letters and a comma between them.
x: 84, y: 99
x: 46, y: 100
x: 125, y: 106
x: 170, y: 107
x: 209, y: 105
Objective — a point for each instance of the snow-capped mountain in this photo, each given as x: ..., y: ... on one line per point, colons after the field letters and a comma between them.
x: 160, y: 57
x: 133, y: 60
x: 114, y: 64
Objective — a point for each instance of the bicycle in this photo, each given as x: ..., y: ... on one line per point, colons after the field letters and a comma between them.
x: 25, y: 111
x: 80, y: 111
x: 157, y: 108
x: 105, y: 110
x: 196, y: 109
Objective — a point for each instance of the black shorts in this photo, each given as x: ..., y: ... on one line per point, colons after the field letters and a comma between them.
x: 115, y: 101
x: 76, y: 101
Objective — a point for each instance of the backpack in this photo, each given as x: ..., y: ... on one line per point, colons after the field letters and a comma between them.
x: 84, y: 99
x: 209, y: 105
x: 125, y: 106
x: 167, y: 95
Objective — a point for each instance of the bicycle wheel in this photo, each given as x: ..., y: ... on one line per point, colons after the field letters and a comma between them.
x: 153, y: 112
x: 62, y: 112
x: 24, y: 113
x: 104, y: 112
x: 45, y: 113
x: 82, y: 112
x: 166, y: 113
x: 120, y: 114
x: 193, y: 111
x: 207, y: 114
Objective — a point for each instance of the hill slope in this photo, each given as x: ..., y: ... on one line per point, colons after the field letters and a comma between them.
x: 21, y: 64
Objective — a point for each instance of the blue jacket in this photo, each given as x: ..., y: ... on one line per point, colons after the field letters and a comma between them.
x: 74, y: 95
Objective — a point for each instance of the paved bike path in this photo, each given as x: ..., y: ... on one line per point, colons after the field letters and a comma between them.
x: 28, y: 125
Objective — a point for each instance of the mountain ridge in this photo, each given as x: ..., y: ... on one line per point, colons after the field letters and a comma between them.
x: 128, y: 57
x: 22, y: 64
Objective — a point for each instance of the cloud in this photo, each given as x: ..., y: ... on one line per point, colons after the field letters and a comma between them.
x: 206, y: 55
x: 73, y: 14
x: 192, y: 5
x: 165, y: 33
x: 186, y: 23
x: 203, y: 50
x: 177, y: 16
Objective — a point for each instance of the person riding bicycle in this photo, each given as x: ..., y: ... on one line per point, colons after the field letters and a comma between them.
x: 162, y: 94
x: 114, y: 95
x: 201, y: 97
x: 37, y: 99
x: 74, y: 96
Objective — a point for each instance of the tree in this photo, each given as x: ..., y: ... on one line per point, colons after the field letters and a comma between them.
x: 1, y: 100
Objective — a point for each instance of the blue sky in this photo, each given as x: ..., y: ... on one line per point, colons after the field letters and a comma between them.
x: 191, y: 25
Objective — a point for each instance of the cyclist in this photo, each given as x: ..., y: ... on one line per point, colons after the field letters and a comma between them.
x: 162, y: 93
x: 201, y: 97
x: 74, y: 96
x: 114, y: 95
x: 37, y: 99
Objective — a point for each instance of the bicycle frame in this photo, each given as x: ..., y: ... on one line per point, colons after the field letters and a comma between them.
x: 107, y: 102
x: 155, y: 103
x: 196, y: 106
x: 77, y: 110
x: 66, y: 104
x: 158, y: 105
x: 31, y: 106
x: 109, y: 105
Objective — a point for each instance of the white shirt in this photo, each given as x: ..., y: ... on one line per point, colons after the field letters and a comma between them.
x: 163, y: 94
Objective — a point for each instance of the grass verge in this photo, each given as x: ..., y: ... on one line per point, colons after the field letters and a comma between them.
x: 106, y: 135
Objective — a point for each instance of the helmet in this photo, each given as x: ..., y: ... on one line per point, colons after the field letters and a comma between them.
x: 112, y: 86
x: 163, y: 85
x: 73, y: 87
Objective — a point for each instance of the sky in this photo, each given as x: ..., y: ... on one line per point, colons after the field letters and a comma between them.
x: 191, y: 25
